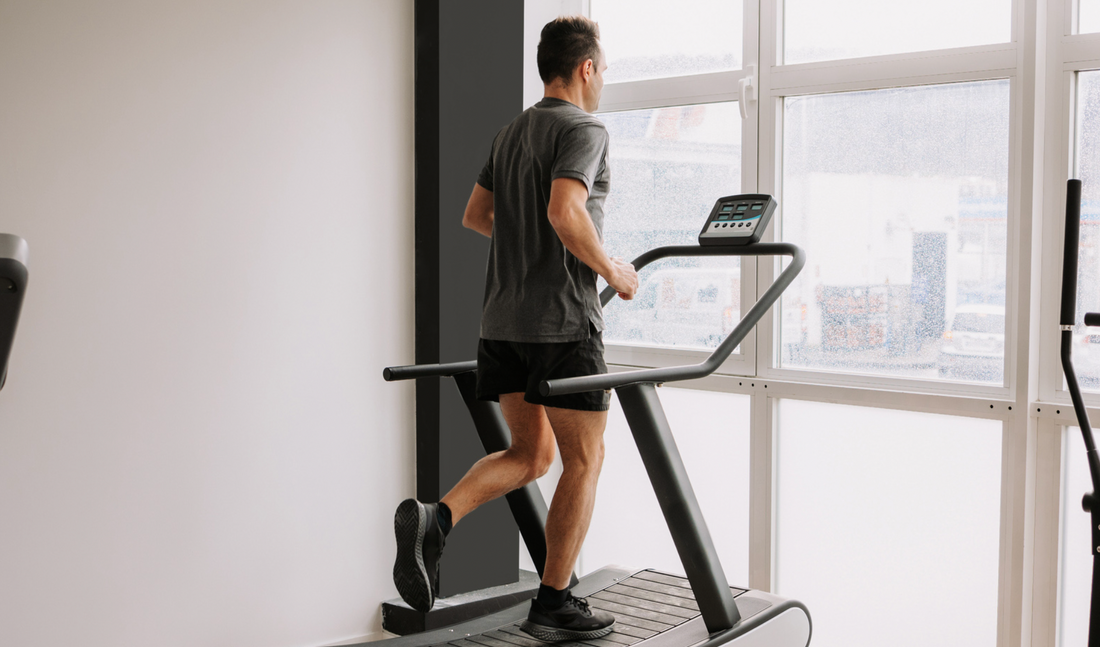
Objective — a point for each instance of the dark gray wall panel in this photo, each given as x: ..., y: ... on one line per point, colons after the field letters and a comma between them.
x: 480, y: 89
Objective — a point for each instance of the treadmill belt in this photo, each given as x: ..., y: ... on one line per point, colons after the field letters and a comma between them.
x: 644, y: 605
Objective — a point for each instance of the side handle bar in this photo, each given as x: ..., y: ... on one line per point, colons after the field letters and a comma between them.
x: 711, y: 363
x: 394, y: 373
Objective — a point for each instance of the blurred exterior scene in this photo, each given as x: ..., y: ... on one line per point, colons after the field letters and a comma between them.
x: 668, y: 167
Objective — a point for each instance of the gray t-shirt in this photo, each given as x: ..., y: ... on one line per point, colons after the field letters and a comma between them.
x: 535, y: 289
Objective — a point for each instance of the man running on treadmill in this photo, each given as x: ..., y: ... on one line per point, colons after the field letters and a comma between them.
x: 539, y: 199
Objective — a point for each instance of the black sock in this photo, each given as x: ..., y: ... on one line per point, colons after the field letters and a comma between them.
x: 443, y: 515
x: 551, y: 598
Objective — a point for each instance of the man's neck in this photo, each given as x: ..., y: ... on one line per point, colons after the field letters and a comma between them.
x: 571, y: 94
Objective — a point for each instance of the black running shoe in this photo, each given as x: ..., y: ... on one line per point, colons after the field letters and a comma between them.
x: 419, y: 547
x: 573, y: 621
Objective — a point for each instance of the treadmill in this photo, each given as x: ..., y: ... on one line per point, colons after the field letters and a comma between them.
x: 13, y: 284
x: 651, y: 608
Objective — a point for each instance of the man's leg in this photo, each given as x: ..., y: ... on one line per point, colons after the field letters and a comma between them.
x: 555, y: 614
x: 421, y: 528
x: 580, y: 440
x: 529, y: 457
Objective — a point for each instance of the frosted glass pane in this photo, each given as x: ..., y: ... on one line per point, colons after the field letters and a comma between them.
x: 888, y: 524
x: 1088, y: 20
x: 1086, y: 347
x: 649, y: 39
x: 668, y: 167
x: 900, y: 199
x: 826, y: 30
x: 1076, y: 578
x: 628, y: 528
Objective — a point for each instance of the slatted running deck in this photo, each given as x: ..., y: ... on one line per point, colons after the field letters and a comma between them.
x: 645, y: 604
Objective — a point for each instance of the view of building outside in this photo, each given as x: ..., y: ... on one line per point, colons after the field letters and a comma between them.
x: 668, y: 168
x: 699, y: 36
x: 899, y: 198
x: 1086, y: 347
x: 829, y: 30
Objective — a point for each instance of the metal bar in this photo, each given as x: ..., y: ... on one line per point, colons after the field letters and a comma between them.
x: 1067, y: 320
x: 711, y: 363
x: 394, y: 373
x: 681, y: 509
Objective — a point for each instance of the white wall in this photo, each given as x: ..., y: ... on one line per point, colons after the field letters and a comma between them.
x: 196, y: 445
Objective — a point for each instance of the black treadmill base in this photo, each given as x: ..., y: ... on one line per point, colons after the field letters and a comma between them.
x: 401, y: 619
x: 649, y: 607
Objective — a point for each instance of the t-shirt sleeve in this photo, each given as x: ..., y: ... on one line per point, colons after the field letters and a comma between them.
x: 485, y: 178
x: 580, y: 152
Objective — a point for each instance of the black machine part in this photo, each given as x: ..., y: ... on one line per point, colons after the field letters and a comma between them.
x: 648, y: 424
x: 1066, y: 323
x: 13, y: 285
x: 738, y: 219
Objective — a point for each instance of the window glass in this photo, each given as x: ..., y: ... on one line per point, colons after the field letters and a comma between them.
x: 648, y: 39
x: 896, y: 513
x: 1076, y: 558
x: 1088, y: 16
x: 825, y: 30
x: 668, y: 168
x: 628, y: 527
x: 1086, y: 347
x: 899, y: 198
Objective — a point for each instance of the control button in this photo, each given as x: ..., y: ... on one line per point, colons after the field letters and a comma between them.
x: 757, y: 207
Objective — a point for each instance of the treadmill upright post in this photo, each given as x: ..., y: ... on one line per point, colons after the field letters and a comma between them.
x: 681, y: 509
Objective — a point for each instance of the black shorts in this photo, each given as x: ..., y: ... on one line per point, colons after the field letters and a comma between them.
x: 519, y: 367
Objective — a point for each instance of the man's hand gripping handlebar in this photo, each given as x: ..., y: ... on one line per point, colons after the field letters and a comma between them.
x: 623, y: 278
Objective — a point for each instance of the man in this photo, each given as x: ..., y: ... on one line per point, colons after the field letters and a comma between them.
x: 539, y: 199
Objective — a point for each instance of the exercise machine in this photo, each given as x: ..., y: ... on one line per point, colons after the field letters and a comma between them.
x: 651, y: 608
x: 1066, y: 322
x: 13, y: 284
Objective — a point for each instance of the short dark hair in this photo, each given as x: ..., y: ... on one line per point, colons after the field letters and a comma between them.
x: 565, y: 43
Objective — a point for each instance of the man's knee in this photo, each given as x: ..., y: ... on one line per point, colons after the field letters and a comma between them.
x: 541, y: 462
x: 538, y: 457
x: 586, y: 457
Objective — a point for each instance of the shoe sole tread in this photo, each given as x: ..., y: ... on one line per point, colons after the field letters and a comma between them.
x: 409, y: 574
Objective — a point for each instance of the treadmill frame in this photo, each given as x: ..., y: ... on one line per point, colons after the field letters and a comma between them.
x: 651, y: 430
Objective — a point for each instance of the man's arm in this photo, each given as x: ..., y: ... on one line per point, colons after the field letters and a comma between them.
x: 568, y: 213
x: 479, y: 211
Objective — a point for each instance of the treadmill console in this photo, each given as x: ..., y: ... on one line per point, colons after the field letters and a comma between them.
x: 738, y: 219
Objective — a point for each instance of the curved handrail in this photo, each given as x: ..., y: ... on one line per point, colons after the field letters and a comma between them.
x: 710, y: 364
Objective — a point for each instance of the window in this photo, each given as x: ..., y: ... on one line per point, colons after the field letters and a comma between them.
x: 918, y: 152
x: 825, y: 30
x: 699, y: 36
x: 900, y: 199
x: 669, y: 167
x: 898, y: 510
x: 1076, y: 556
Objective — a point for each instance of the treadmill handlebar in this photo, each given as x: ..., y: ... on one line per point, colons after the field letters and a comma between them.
x: 394, y: 373
x: 608, y: 381
x: 1092, y: 318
